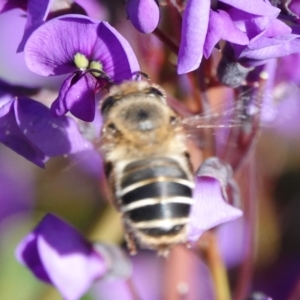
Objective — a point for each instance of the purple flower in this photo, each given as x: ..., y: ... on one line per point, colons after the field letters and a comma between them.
x: 91, y: 51
x: 232, y: 20
x: 277, y: 41
x: 57, y: 254
x: 211, y: 208
x: 28, y: 128
x: 143, y: 14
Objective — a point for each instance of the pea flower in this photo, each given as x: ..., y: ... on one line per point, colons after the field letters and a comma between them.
x: 211, y: 206
x: 93, y: 53
x: 28, y: 128
x: 57, y: 254
x: 277, y: 41
x: 231, y: 20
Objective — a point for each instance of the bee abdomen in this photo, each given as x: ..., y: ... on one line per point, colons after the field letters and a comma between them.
x: 156, y: 195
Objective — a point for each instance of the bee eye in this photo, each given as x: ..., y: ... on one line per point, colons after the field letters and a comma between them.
x: 155, y: 91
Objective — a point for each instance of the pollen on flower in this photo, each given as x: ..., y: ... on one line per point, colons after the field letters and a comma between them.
x: 96, y: 65
x: 80, y: 60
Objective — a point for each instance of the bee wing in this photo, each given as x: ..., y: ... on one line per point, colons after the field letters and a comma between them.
x: 240, y: 114
x: 213, y: 120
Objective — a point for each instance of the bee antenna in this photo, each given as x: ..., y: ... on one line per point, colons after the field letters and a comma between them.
x: 140, y: 74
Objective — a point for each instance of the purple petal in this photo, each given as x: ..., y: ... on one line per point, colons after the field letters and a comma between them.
x: 78, y: 98
x: 214, y: 32
x: 210, y: 208
x: 71, y: 274
x: 28, y: 255
x: 231, y: 33
x: 266, y: 48
x: 294, y: 6
x: 144, y: 14
x: 58, y: 107
x: 115, y: 53
x: 6, y: 5
x: 255, y: 7
x: 54, y: 136
x: 221, y: 27
x: 69, y: 261
x: 252, y: 25
x: 37, y: 11
x: 49, y: 52
x: 194, y: 29
x: 13, y: 137
x: 231, y: 242
x: 277, y: 28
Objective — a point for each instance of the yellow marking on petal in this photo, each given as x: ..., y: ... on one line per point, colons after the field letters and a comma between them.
x: 96, y: 65
x: 80, y: 60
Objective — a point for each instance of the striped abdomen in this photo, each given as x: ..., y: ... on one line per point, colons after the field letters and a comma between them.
x: 156, y: 196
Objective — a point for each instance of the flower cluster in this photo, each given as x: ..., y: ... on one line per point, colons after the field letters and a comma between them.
x: 252, y: 47
x: 255, y: 30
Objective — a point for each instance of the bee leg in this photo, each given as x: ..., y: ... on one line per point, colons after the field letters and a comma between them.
x: 129, y: 236
x: 131, y: 245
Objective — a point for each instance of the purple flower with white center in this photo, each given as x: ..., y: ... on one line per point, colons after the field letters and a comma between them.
x: 92, y: 53
x: 143, y: 14
x: 210, y: 206
x: 28, y: 128
x: 231, y: 20
x: 57, y: 254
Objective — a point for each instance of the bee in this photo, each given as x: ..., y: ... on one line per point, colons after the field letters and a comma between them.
x: 147, y: 165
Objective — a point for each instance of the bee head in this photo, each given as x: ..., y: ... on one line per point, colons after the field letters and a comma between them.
x: 131, y: 89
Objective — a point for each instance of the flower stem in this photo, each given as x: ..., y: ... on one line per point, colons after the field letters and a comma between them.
x: 246, y: 268
x: 166, y: 40
x: 216, y: 266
